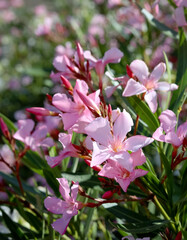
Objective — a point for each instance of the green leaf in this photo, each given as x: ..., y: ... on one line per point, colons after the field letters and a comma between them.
x: 52, y: 181
x: 87, y: 180
x: 143, y: 227
x: 152, y: 183
x: 179, y: 95
x: 124, y: 213
x: 155, y: 23
x: 144, y: 112
x: 16, y: 232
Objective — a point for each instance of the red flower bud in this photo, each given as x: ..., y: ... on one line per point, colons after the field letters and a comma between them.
x: 4, y: 129
x: 129, y: 72
x: 107, y: 194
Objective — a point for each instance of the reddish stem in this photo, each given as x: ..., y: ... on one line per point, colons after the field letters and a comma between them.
x: 136, y: 124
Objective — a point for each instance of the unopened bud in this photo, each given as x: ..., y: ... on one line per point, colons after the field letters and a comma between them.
x: 129, y: 71
x: 4, y: 129
x: 179, y: 236
x: 80, y: 54
x: 66, y: 83
x: 41, y: 111
x: 107, y: 194
x: 91, y: 105
x: 49, y: 98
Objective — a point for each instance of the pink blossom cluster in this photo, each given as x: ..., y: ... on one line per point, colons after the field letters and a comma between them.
x: 108, y: 147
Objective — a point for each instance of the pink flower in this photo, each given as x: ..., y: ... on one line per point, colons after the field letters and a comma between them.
x: 179, y: 13
x: 148, y: 83
x: 166, y: 131
x: 113, y: 143
x: 69, y: 150
x: 33, y: 139
x: 7, y: 156
x: 68, y: 207
x: 113, y: 55
x: 123, y: 171
x: 75, y: 114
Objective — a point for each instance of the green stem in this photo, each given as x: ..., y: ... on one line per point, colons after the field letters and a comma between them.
x: 164, y: 212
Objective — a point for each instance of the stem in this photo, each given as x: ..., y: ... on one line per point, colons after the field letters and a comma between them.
x: 136, y: 124
x: 159, y: 206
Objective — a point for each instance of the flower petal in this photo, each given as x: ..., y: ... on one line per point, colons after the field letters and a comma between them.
x: 99, y: 130
x: 151, y: 99
x: 165, y: 87
x: 134, y: 143
x: 25, y: 128
x: 63, y: 103
x: 140, y: 69
x: 64, y: 188
x: 133, y: 88
x: 172, y: 138
x: 61, y: 224
x: 138, y: 158
x: 74, y: 190
x: 122, y: 125
x: 180, y: 17
x: 99, y: 155
x: 157, y: 72
x: 113, y: 55
x: 168, y: 120
x: 158, y: 135
x: 55, y: 205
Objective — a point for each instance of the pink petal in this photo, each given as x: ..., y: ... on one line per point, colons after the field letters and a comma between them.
x: 124, y: 183
x: 182, y: 131
x: 157, y: 72
x: 64, y: 188
x: 82, y: 87
x: 151, y: 99
x: 138, y: 173
x: 113, y: 55
x: 124, y: 159
x: 172, y: 138
x: 69, y: 119
x: 47, y: 142
x: 99, y: 130
x: 168, y: 120
x: 61, y: 62
x: 134, y: 143
x: 138, y: 158
x: 40, y: 133
x: 61, y: 224
x: 158, y: 135
x: 140, y: 70
x: 110, y: 90
x: 180, y: 17
x: 25, y: 128
x: 122, y: 125
x: 55, y: 205
x: 54, y: 161
x: 74, y: 190
x: 65, y: 139
x: 95, y: 97
x: 88, y: 56
x: 99, y: 155
x: 133, y: 88
x: 164, y: 86
x: 110, y: 169
x: 63, y: 103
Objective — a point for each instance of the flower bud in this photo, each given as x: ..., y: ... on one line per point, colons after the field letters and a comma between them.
x: 4, y: 129
x: 91, y: 105
x: 66, y: 83
x: 107, y: 194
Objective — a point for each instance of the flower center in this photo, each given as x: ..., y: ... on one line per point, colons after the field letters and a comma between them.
x: 125, y: 173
